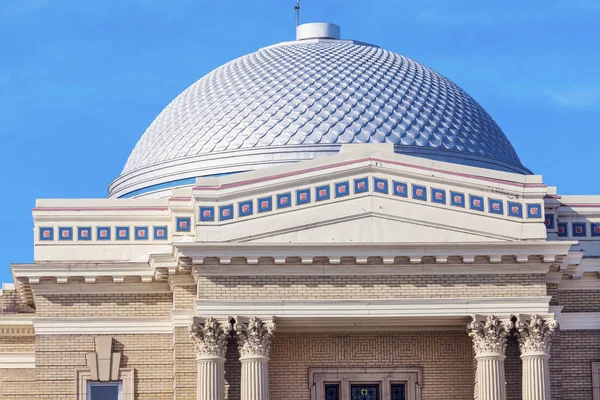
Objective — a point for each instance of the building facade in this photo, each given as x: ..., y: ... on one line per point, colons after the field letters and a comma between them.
x: 319, y: 220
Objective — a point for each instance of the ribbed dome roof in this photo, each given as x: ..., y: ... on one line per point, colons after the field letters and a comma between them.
x: 309, y: 93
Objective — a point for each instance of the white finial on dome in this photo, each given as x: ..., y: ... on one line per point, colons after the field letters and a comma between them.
x: 318, y: 30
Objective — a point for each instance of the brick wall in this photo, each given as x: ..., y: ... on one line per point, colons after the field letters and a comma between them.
x: 370, y: 287
x: 513, y: 368
x: 446, y: 359
x: 20, y: 344
x: 17, y: 384
x: 104, y: 305
x: 10, y: 302
x: 57, y: 356
x: 579, y: 300
x: 184, y: 365
x: 571, y: 364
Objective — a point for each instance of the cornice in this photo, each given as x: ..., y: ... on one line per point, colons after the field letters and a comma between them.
x: 579, y: 321
x: 103, y: 326
x: 361, y: 253
x: 16, y: 324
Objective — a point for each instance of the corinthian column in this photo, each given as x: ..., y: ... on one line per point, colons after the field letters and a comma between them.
x: 254, y: 340
x: 210, y: 338
x: 489, y: 342
x: 534, y: 341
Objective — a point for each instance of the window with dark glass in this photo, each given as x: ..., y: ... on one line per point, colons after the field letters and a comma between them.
x: 104, y: 391
x: 364, y: 392
x: 398, y: 391
x: 332, y: 391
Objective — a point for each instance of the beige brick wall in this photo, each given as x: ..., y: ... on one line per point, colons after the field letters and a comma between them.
x: 571, y: 364
x: 10, y: 302
x: 184, y: 296
x: 17, y: 343
x: 184, y: 365
x: 17, y: 384
x: 579, y: 300
x: 365, y: 287
x: 104, y: 305
x: 57, y: 357
x: 513, y: 368
x: 446, y: 359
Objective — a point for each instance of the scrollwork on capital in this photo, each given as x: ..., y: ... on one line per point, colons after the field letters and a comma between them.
x: 534, y: 334
x: 489, y: 336
x: 210, y: 336
x: 254, y: 337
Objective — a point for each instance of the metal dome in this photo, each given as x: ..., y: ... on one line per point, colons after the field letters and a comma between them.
x: 304, y: 99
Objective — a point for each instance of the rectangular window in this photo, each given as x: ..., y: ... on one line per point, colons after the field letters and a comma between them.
x: 398, y: 391
x: 332, y: 391
x: 364, y: 392
x: 104, y: 390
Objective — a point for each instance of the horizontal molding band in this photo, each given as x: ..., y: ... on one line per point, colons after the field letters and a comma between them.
x: 103, y: 326
x: 442, y: 307
x: 579, y: 321
x: 17, y: 360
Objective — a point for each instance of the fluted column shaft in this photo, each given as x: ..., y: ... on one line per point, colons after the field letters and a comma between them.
x: 489, y: 343
x: 211, y: 372
x: 254, y: 338
x: 534, y: 335
x: 490, y: 377
x: 536, y: 376
x: 255, y: 378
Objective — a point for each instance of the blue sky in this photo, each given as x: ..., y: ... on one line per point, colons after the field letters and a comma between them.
x: 81, y: 80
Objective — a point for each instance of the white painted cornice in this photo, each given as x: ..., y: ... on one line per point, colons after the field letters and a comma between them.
x: 579, y: 321
x: 370, y: 270
x: 17, y: 360
x: 89, y: 271
x: 16, y: 324
x: 550, y: 252
x: 103, y: 326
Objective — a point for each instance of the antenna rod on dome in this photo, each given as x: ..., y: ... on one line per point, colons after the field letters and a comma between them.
x: 297, y: 8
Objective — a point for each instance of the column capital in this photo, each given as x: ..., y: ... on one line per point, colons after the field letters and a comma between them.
x: 210, y: 337
x: 534, y: 334
x: 254, y: 336
x: 489, y: 336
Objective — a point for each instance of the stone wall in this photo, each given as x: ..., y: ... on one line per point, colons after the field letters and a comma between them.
x: 370, y: 287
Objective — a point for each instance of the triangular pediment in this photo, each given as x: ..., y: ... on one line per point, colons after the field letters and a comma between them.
x: 370, y: 195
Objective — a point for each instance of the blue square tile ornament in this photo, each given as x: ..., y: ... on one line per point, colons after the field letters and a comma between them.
x: 65, y: 233
x: 103, y: 233
x: 595, y: 230
x: 245, y: 208
x: 549, y: 221
x: 515, y: 209
x: 476, y: 203
x: 419, y: 192
x: 207, y: 214
x: 534, y: 211
x: 361, y: 185
x: 183, y: 224
x: 380, y: 185
x: 342, y: 189
x: 322, y: 193
x: 47, y: 234
x: 122, y: 233
x: 457, y: 199
x: 563, y: 229
x: 141, y: 233
x: 226, y: 212
x: 160, y: 233
x: 84, y: 233
x: 400, y: 189
x: 438, y: 196
x: 496, y: 206
x: 265, y: 204
x: 579, y: 229
x: 284, y: 200
x: 302, y: 196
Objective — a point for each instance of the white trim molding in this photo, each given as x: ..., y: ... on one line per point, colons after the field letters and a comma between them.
x: 579, y: 321
x: 15, y: 360
x: 103, y: 326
